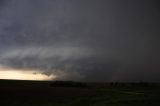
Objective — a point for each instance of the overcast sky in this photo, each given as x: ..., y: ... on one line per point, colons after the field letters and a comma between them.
x: 84, y: 40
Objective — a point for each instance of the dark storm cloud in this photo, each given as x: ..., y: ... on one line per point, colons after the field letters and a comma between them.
x: 98, y: 40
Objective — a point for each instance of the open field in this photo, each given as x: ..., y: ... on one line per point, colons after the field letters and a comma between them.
x: 41, y: 93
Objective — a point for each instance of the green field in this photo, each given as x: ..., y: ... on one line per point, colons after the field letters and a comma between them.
x: 41, y: 93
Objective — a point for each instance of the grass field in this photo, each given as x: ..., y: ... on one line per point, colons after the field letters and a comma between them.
x: 41, y: 93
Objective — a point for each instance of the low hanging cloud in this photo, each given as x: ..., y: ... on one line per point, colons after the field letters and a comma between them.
x: 65, y: 63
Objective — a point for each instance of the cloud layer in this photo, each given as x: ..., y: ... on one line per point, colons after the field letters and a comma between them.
x: 82, y: 40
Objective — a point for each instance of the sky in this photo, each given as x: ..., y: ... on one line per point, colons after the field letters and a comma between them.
x: 81, y: 40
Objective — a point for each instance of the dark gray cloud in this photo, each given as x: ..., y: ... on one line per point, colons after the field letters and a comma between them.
x: 89, y: 40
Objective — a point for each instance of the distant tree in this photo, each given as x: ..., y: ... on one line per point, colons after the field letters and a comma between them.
x: 68, y: 84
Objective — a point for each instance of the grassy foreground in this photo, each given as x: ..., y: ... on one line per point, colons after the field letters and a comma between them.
x: 41, y: 93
